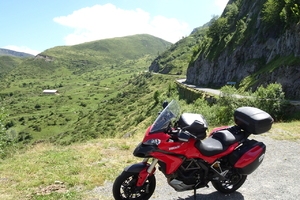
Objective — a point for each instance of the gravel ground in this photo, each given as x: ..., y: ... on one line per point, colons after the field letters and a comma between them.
x: 276, y: 178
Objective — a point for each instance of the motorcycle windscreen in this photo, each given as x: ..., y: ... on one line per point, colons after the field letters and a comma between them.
x: 166, y: 116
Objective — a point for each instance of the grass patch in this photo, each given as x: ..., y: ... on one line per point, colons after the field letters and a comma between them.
x: 77, y: 168
x: 286, y: 130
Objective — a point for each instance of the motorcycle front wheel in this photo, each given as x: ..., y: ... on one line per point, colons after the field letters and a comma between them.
x: 231, y: 185
x: 125, y: 187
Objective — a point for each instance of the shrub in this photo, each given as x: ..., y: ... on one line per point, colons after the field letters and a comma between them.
x: 281, y: 11
x: 271, y: 11
x: 218, y: 29
x: 37, y: 106
x: 272, y: 100
x: 269, y: 98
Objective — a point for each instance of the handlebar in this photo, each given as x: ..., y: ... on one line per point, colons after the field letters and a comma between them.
x: 181, y: 135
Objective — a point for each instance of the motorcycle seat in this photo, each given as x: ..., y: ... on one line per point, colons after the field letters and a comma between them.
x: 227, y: 138
x: 210, y: 147
x: 218, y: 142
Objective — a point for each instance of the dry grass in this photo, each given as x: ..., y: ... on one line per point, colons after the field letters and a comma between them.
x: 286, y: 130
x: 78, y: 168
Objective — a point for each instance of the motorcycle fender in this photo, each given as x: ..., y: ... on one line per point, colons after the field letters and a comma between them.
x: 137, y: 167
x: 141, y: 169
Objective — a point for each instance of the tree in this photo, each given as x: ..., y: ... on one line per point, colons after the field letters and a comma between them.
x: 218, y: 29
x: 290, y: 12
x: 231, y: 12
x: 271, y: 11
x: 281, y: 11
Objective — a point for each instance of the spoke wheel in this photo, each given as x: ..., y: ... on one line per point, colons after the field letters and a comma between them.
x: 125, y: 187
x: 234, y: 182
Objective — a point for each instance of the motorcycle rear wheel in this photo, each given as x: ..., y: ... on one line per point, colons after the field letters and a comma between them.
x: 125, y: 187
x: 231, y: 185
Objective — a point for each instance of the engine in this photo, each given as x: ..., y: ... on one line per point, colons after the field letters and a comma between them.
x: 189, y: 175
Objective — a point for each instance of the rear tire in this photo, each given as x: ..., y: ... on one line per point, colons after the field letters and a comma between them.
x: 125, y: 187
x: 231, y: 185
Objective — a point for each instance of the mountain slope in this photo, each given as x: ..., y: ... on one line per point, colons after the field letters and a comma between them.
x: 130, y: 47
x: 99, y: 84
x: 8, y: 52
x: 253, y: 45
x: 92, y: 55
x: 174, y: 60
x: 8, y: 63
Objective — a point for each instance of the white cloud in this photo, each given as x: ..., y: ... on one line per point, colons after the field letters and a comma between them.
x: 108, y: 21
x: 221, y: 3
x: 21, y: 49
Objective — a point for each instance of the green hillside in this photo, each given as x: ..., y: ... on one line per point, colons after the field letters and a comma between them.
x: 8, y: 63
x: 93, y: 79
x: 176, y: 58
x: 92, y: 55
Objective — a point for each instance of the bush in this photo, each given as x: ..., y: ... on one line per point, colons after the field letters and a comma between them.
x: 218, y: 29
x: 37, y: 106
x: 281, y: 11
x: 271, y: 11
x: 269, y: 99
x: 231, y: 11
x: 272, y: 100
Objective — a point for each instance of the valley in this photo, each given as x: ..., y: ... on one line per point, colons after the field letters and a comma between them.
x: 110, y: 91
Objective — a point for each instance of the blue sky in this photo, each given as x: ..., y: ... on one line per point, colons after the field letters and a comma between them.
x: 33, y: 26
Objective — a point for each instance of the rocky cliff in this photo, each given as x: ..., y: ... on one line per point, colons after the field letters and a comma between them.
x: 260, y: 55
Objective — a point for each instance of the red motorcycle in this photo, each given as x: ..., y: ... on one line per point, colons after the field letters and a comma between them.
x: 188, y: 160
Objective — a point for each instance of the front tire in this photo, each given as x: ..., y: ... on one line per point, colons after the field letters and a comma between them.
x: 125, y: 187
x: 230, y: 185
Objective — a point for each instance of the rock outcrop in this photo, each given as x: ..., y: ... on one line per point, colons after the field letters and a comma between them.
x: 248, y: 58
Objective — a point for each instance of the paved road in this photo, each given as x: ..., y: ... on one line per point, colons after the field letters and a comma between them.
x: 209, y: 90
x: 218, y: 92
x: 276, y: 179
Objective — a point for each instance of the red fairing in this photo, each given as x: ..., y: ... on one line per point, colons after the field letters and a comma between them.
x: 249, y: 157
x: 161, y: 136
x: 172, y: 162
x: 187, y: 149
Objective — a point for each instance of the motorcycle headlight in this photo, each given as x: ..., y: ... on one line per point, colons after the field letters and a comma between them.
x: 152, y: 142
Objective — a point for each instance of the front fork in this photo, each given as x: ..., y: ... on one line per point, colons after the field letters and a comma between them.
x: 147, y: 171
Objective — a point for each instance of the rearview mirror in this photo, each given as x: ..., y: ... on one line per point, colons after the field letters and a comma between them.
x: 165, y: 104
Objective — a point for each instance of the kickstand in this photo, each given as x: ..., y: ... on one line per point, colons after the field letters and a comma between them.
x: 195, y: 197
